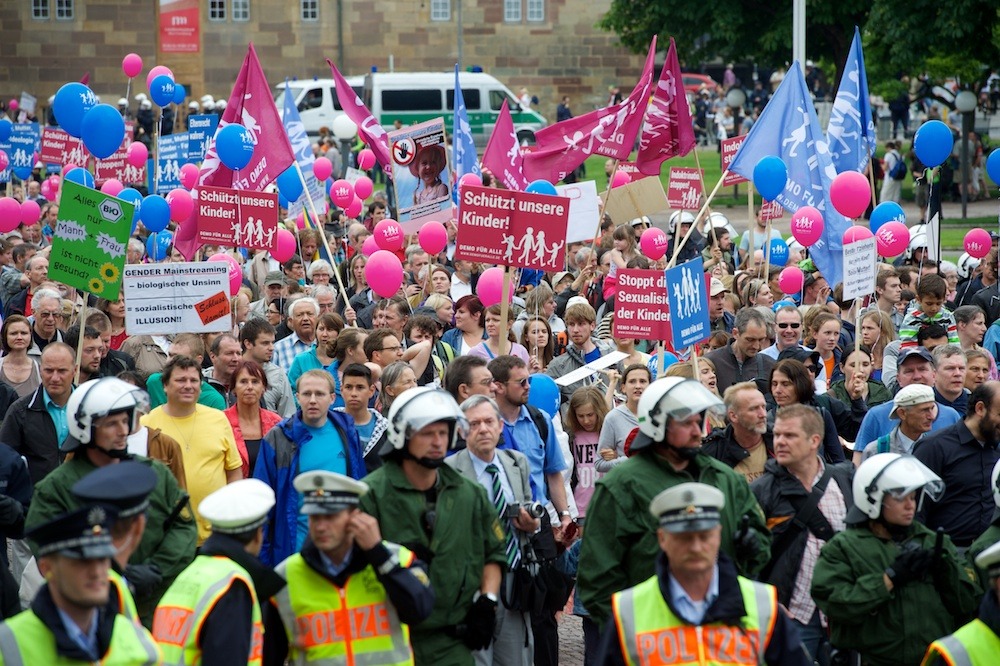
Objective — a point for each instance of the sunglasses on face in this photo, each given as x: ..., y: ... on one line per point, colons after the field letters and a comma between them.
x: 789, y: 325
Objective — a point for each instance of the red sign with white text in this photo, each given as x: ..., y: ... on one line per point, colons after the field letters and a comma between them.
x: 632, y: 170
x: 729, y: 149
x: 58, y: 147
x: 117, y: 166
x: 180, y: 26
x: 512, y: 228
x: 238, y: 218
x: 641, y: 308
x: 771, y: 210
x: 684, y: 190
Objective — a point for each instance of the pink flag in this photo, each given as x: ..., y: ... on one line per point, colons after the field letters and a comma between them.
x: 667, y: 131
x: 503, y: 154
x: 252, y: 106
x: 611, y: 131
x: 368, y: 128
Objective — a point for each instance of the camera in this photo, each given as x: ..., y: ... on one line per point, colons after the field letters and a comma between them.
x: 534, y: 509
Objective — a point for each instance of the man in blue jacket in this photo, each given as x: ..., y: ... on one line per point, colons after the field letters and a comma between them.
x: 315, y: 438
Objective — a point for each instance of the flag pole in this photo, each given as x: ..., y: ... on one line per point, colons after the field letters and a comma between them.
x: 767, y: 248
x: 751, y: 253
x: 871, y: 174
x: 600, y: 218
x: 701, y: 212
x: 701, y: 175
x: 322, y: 235
x: 504, y: 307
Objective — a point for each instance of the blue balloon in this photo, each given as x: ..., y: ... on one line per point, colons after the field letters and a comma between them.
x: 179, y: 93
x: 779, y: 252
x: 80, y: 176
x: 669, y: 358
x: 155, y: 213
x: 161, y: 90
x: 103, y: 130
x: 23, y: 172
x: 6, y: 127
x: 71, y: 104
x: 992, y: 165
x: 235, y: 146
x: 544, y: 394
x: 132, y: 196
x: 887, y: 211
x: 282, y: 201
x: 769, y: 176
x: 541, y: 187
x: 933, y: 143
x: 289, y: 184
x: 158, y: 245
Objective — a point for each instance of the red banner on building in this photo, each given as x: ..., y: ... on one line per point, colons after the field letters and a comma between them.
x: 512, y: 228
x: 58, y: 147
x: 684, y: 189
x: 729, y: 149
x: 641, y: 309
x: 238, y: 218
x: 180, y: 26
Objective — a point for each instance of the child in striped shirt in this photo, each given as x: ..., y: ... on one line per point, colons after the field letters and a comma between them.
x: 931, y: 292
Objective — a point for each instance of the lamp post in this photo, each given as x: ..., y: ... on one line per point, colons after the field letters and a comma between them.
x: 966, y: 102
x: 344, y: 130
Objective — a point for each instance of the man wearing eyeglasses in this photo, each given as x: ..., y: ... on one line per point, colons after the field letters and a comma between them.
x: 788, y: 335
x: 46, y: 306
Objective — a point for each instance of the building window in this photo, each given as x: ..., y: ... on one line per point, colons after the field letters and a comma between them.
x: 40, y: 9
x: 241, y: 10
x: 216, y: 10
x: 64, y: 9
x: 440, y: 10
x: 536, y: 10
x: 512, y: 11
x: 309, y: 10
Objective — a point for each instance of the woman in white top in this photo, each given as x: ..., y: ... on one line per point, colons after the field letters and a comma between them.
x: 17, y: 369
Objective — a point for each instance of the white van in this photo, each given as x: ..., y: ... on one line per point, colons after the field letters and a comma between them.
x: 414, y: 97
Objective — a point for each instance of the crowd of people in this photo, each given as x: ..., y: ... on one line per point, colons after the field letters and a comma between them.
x: 426, y: 478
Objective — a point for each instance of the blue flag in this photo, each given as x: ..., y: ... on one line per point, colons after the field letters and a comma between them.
x: 851, y: 132
x: 464, y: 159
x: 789, y: 129
x: 688, y: 299
x: 302, y: 149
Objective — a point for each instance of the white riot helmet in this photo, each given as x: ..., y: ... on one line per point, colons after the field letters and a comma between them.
x: 918, y: 239
x: 98, y: 398
x: 719, y: 222
x: 995, y: 484
x: 418, y: 407
x: 671, y: 398
x: 891, y: 473
x: 967, y: 265
x: 679, y: 217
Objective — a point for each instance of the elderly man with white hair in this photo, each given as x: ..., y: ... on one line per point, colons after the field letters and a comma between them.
x: 302, y: 315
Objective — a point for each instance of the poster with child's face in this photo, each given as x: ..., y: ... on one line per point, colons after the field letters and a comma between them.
x: 421, y: 174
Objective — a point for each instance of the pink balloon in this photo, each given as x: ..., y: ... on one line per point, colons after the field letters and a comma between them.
x: 363, y: 187
x: 30, y: 211
x: 653, y: 242
x: 14, y: 104
x: 369, y: 247
x: 620, y: 178
x: 978, y: 243
x: 342, y: 193
x: 181, y: 204
x: 4, y: 161
x: 159, y: 70
x: 389, y: 235
x: 470, y: 179
x: 433, y: 237
x: 132, y: 65
x: 856, y: 233
x: 807, y: 226
x: 892, y: 238
x: 366, y: 159
x: 354, y: 209
x: 850, y: 194
x: 48, y: 191
x: 384, y: 273
x: 235, y: 273
x: 112, y: 186
x: 490, y: 287
x: 10, y: 214
x: 54, y: 179
x: 322, y: 168
x: 286, y: 245
x: 68, y: 167
x: 300, y: 220
x: 791, y: 279
x: 189, y: 175
x: 137, y: 155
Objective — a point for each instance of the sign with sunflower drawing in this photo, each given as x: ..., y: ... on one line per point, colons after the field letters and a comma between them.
x: 89, y: 241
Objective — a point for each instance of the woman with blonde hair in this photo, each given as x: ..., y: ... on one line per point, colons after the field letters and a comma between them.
x: 536, y: 337
x: 876, y: 332
x: 706, y: 375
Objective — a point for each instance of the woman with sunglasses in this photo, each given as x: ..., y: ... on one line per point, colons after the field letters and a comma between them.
x: 792, y: 384
x: 858, y: 390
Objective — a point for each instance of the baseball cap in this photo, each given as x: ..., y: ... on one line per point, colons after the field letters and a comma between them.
x: 914, y: 352
x: 717, y: 287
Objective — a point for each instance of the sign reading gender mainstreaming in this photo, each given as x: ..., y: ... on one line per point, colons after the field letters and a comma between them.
x: 177, y: 298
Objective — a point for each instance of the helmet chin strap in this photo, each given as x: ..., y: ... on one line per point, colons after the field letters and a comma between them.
x: 117, y: 454
x: 684, y: 452
x: 425, y: 462
x: 897, y: 532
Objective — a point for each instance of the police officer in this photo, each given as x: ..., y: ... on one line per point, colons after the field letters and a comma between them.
x: 444, y: 518
x: 696, y: 604
x: 211, y: 615
x: 72, y: 619
x: 124, y: 489
x: 619, y: 545
x: 345, y: 565
x: 992, y: 533
x: 888, y: 584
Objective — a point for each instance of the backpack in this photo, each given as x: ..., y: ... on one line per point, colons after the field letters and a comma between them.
x: 898, y: 170
x: 541, y: 421
x: 883, y: 443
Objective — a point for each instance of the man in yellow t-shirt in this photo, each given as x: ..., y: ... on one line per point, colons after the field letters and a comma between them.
x: 211, y: 459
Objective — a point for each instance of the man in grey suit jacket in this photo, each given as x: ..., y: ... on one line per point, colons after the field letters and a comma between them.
x: 481, y: 461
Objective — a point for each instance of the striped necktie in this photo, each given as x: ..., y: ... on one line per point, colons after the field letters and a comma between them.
x: 513, y: 556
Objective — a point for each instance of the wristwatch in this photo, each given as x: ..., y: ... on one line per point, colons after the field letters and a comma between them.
x: 564, y: 513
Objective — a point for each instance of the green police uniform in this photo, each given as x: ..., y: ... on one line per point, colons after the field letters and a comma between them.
x: 890, y: 627
x: 466, y: 535
x: 985, y: 540
x: 619, y: 544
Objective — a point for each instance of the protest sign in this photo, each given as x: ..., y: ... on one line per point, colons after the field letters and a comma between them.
x: 688, y: 299
x: 172, y: 156
x: 860, y: 259
x: 684, y: 190
x: 591, y: 368
x: 88, y: 245
x: 583, y: 210
x: 512, y: 228
x: 632, y: 170
x: 635, y: 199
x: 58, y: 147
x: 421, y: 174
x: 20, y: 148
x: 641, y: 308
x: 117, y: 166
x: 771, y: 210
x: 238, y: 218
x: 28, y: 103
x: 729, y: 149
x: 177, y: 298
x: 201, y: 129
